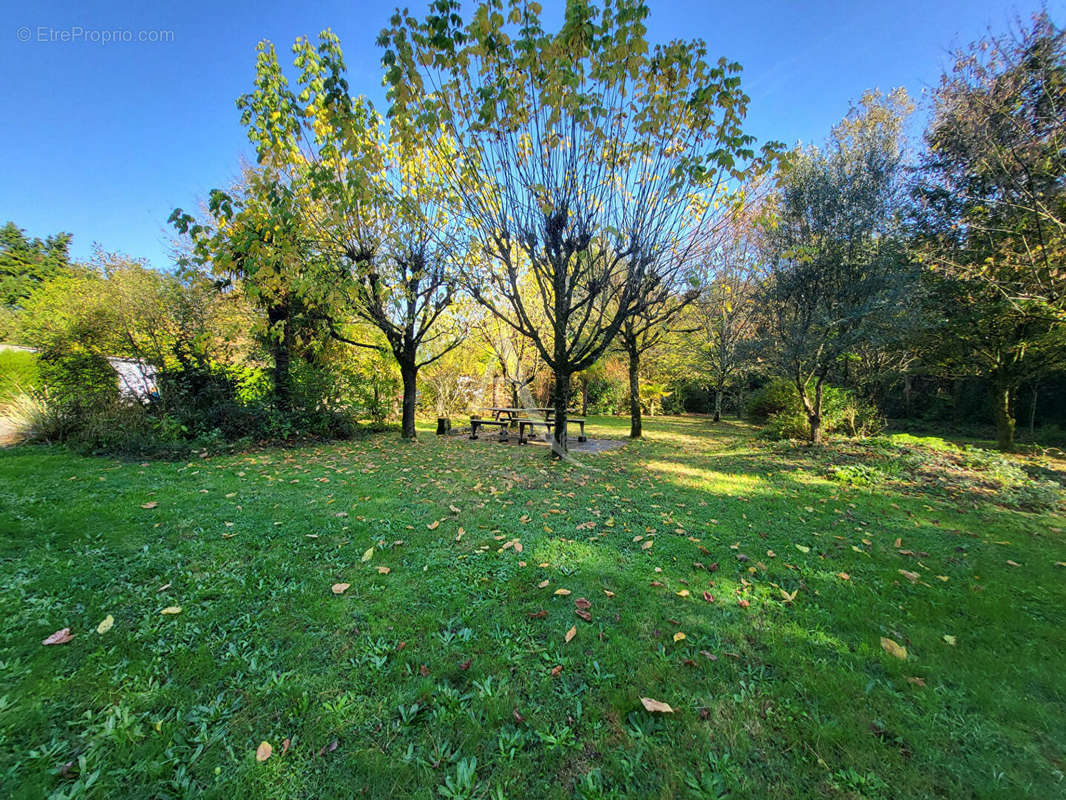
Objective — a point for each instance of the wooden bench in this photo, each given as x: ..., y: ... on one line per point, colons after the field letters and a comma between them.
x: 478, y: 422
x: 531, y: 423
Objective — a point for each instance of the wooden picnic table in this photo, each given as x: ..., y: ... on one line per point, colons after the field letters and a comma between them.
x: 509, y: 414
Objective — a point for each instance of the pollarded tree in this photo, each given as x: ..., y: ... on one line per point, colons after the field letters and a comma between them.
x: 992, y: 191
x: 375, y: 207
x: 833, y: 250
x: 583, y: 158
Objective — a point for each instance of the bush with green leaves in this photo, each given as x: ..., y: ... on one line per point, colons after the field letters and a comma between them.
x: 843, y: 412
x: 777, y: 397
x: 18, y: 373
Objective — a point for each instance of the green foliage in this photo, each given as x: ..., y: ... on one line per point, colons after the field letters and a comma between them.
x: 777, y: 396
x: 842, y: 412
x: 18, y: 373
x: 26, y: 263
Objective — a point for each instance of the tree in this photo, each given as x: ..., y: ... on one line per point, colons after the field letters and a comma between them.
x: 992, y: 213
x: 257, y: 239
x: 26, y: 263
x: 833, y: 246
x: 582, y: 158
x: 726, y: 311
x: 375, y: 209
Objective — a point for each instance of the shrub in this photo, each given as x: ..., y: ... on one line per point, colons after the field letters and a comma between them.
x: 18, y: 373
x: 777, y: 397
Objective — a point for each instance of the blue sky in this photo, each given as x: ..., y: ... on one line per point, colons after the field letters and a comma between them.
x: 104, y: 139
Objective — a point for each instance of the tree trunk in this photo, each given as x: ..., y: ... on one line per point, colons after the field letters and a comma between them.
x: 562, y: 395
x: 1032, y: 409
x: 585, y: 395
x: 635, y: 429
x: 281, y: 351
x: 1004, y: 419
x: 718, y: 404
x: 409, y: 373
x: 907, y: 389
x: 813, y: 409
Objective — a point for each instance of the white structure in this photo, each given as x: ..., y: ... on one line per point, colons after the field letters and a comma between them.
x: 136, y: 379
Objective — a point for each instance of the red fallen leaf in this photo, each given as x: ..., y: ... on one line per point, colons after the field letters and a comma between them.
x: 582, y: 603
x: 517, y: 717
x: 424, y: 670
x: 285, y: 746
x: 656, y: 583
x: 401, y: 646
x: 743, y: 603
x: 466, y: 664
x: 688, y: 662
x: 583, y: 614
x: 59, y: 637
x: 537, y: 614
x: 708, y: 597
x: 556, y: 670
x: 674, y: 621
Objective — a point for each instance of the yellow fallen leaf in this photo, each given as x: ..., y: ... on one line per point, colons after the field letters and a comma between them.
x: 369, y: 554
x: 942, y: 578
x: 543, y: 584
x: 459, y: 534
x: 340, y: 588
x: 383, y: 570
x: 105, y: 624
x: 683, y: 593
x: 562, y: 591
x: 893, y: 648
x: 433, y: 525
x: 570, y: 634
x: 647, y: 544
x: 171, y: 610
x: 608, y: 593
x: 911, y: 576
x: 803, y: 548
x: 949, y: 639
x: 788, y: 598
x: 678, y: 636
x: 843, y: 576
x: 264, y: 751
x: 656, y: 706
x: 453, y: 509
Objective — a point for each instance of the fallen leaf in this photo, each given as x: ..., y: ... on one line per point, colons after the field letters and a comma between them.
x: 843, y: 576
x: 59, y: 637
x: 171, y: 610
x: 570, y: 634
x: 803, y: 548
x: 264, y: 751
x: 646, y: 545
x: 340, y: 588
x: 285, y: 746
x: 708, y: 597
x: 384, y: 570
x: 369, y: 554
x: 678, y: 636
x: 788, y: 598
x: 543, y: 584
x: 743, y: 603
x: 151, y: 504
x: 583, y: 614
x: 582, y: 603
x: 106, y: 624
x: 517, y: 717
x: 556, y: 670
x: 423, y: 671
x: 453, y: 509
x: 911, y: 576
x: 537, y: 614
x: 949, y: 639
x: 1013, y: 563
x: 433, y: 525
x: 916, y: 681
x: 459, y: 534
x: 682, y: 593
x: 609, y: 594
x: 466, y: 664
x: 518, y: 547
x: 710, y: 656
x: 163, y: 588
x: 893, y: 648
x: 656, y: 706
x: 562, y: 592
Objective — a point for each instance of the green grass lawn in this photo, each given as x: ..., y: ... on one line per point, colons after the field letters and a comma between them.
x: 450, y: 675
